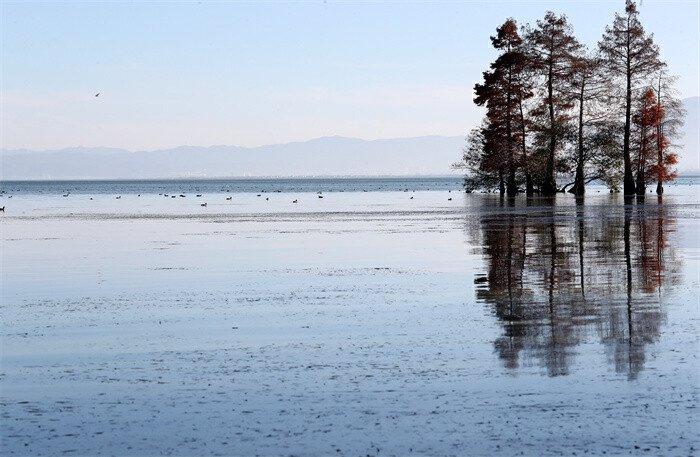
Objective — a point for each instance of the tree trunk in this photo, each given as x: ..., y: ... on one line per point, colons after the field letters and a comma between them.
x: 628, y: 187
x: 511, y: 187
x: 641, y: 185
x: 659, y: 148
x: 640, y: 188
x: 549, y: 186
x: 529, y: 188
x: 579, y: 187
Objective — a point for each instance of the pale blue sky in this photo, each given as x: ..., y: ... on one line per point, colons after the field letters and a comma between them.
x: 205, y: 73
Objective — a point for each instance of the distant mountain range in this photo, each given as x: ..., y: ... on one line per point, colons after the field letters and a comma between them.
x: 428, y: 155
x: 327, y: 156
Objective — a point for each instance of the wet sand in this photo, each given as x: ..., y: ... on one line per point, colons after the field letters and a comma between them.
x: 357, y: 324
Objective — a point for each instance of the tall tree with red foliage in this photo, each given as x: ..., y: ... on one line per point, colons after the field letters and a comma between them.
x: 647, y: 121
x: 667, y: 130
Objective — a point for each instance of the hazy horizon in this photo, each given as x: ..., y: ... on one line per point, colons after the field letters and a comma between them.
x: 327, y: 156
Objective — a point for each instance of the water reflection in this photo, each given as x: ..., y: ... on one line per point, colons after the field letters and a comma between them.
x: 557, y: 276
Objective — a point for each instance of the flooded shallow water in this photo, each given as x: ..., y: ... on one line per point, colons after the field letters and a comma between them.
x: 360, y: 323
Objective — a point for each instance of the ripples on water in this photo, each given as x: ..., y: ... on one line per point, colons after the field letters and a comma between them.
x: 430, y: 322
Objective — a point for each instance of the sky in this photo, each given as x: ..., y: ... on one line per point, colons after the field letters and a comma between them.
x: 248, y: 74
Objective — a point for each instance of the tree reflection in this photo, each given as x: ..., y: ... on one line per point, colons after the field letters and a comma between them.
x: 555, y: 276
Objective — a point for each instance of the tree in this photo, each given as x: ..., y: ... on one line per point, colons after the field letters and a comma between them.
x: 501, y: 92
x: 667, y: 130
x: 604, y: 153
x: 590, y: 89
x: 647, y: 121
x: 584, y: 69
x: 527, y: 82
x: 484, y: 159
x: 553, y: 48
x: 630, y: 55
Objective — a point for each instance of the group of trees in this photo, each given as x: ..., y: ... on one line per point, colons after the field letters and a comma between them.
x: 555, y: 109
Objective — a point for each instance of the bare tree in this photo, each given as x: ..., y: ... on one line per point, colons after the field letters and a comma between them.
x: 590, y: 89
x: 668, y: 129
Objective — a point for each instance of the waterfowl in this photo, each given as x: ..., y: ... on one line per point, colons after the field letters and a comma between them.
x: 228, y: 198
x: 118, y: 197
x: 295, y: 201
x: 202, y: 204
x: 2, y: 209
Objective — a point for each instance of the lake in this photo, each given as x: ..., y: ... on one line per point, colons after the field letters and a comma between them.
x: 354, y: 316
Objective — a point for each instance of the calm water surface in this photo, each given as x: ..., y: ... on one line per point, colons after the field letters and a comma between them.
x: 386, y: 318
